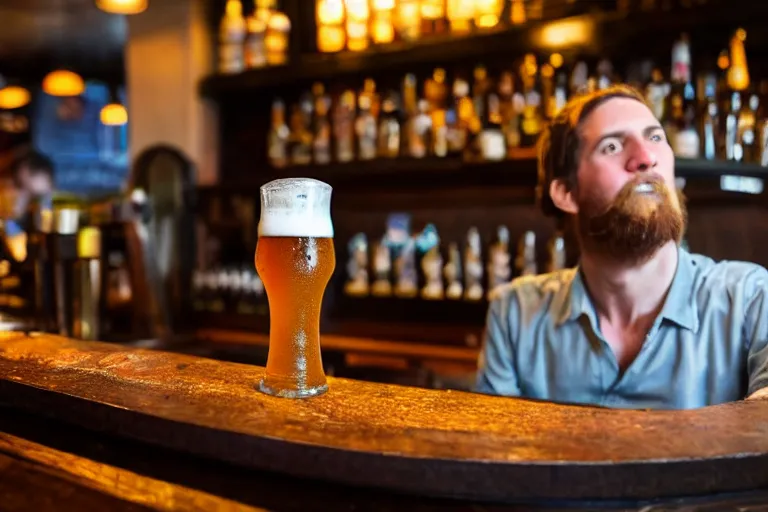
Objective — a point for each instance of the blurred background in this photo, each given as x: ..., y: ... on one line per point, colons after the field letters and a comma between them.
x: 158, y: 120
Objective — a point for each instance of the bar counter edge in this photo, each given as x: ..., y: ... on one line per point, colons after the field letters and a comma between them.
x: 416, y: 441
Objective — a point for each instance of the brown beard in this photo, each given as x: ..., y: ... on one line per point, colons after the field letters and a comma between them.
x: 634, y: 225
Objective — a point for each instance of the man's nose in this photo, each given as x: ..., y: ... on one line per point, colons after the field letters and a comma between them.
x: 642, y: 158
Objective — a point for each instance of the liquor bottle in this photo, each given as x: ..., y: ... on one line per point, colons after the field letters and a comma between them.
x: 674, y: 109
x: 419, y: 132
x: 747, y: 124
x: 255, y: 50
x: 510, y: 111
x: 321, y: 136
x: 343, y: 126
x: 439, y: 133
x: 366, y: 123
x: 526, y: 255
x: 432, y: 268
x: 436, y: 93
x: 231, y: 38
x: 473, y: 267
x: 382, y: 268
x: 556, y: 250
x: 547, y: 91
x: 656, y: 93
x: 357, y: 267
x: 453, y: 273
x: 300, y: 140
x: 499, y: 260
x: 458, y: 117
x: 733, y: 149
x: 491, y: 139
x: 560, y: 97
x: 389, y: 127
x: 604, y: 74
x: 532, y: 120
x: 278, y: 136
x: 579, y: 78
x: 710, y: 126
x: 480, y: 85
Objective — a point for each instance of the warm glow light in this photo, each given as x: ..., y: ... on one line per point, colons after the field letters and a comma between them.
x: 63, y: 83
x: 564, y: 34
x: 383, y: 5
x: 357, y: 9
x: 517, y: 12
x: 13, y: 97
x: 460, y: 14
x: 738, y: 72
x: 556, y: 60
x: 357, y: 36
x: 382, y: 29
x: 432, y: 9
x: 122, y: 6
x: 276, y: 40
x: 409, y: 19
x: 330, y: 12
x: 487, y: 13
x: 331, y: 39
x: 113, y: 114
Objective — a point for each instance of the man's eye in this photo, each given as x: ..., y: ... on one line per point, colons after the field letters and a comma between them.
x: 611, y: 147
x: 657, y: 137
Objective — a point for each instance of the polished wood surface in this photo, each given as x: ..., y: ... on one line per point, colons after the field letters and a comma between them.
x: 38, y: 478
x: 404, y: 439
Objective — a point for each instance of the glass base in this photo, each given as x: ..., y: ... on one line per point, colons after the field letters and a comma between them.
x: 282, y: 392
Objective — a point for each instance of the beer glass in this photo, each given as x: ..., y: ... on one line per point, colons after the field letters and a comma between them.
x: 295, y: 259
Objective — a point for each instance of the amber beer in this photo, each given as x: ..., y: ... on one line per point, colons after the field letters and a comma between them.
x: 295, y: 259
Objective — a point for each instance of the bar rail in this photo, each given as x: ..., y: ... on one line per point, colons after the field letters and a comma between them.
x: 438, y: 443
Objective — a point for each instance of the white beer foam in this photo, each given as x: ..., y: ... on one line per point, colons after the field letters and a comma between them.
x: 296, y: 207
x: 295, y: 224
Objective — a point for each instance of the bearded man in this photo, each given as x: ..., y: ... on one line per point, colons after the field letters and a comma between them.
x: 640, y: 322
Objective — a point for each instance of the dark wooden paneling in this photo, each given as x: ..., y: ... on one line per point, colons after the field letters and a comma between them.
x: 39, y: 35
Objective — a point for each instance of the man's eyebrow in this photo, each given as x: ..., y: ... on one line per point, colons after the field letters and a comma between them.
x: 651, y: 128
x: 617, y: 134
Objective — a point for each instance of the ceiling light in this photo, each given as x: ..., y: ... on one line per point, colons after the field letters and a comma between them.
x: 13, y: 96
x: 122, y: 6
x: 63, y: 83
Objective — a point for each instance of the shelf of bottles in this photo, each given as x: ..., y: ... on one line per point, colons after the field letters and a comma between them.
x: 492, y: 114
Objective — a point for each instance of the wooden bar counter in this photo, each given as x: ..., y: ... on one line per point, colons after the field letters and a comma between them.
x: 96, y: 426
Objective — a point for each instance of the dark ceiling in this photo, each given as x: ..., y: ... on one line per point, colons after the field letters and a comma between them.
x: 39, y: 35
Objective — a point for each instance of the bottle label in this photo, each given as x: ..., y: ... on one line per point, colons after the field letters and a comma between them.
x: 492, y: 145
x: 686, y: 143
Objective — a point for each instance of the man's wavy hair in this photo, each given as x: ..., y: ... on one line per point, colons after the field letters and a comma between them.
x: 559, y: 145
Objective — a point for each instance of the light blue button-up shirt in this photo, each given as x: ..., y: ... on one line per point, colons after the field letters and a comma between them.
x: 709, y: 344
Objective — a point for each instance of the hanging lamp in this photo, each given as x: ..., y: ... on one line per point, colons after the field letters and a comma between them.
x: 122, y: 6
x: 63, y: 83
x: 14, y: 96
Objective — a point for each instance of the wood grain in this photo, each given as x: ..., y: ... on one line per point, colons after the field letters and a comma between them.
x: 413, y: 440
x: 38, y: 478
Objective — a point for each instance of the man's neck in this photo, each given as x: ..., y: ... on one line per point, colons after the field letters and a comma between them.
x: 625, y: 293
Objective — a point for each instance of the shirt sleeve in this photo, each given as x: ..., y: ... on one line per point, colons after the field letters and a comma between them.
x: 756, y: 330
x: 497, y: 373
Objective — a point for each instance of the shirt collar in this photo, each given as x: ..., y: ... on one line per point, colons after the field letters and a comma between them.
x: 573, y: 301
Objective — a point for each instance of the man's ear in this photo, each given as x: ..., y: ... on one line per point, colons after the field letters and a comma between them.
x: 562, y: 196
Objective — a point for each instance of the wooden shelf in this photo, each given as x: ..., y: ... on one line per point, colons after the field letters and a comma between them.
x: 443, y: 173
x: 362, y: 345
x: 611, y: 34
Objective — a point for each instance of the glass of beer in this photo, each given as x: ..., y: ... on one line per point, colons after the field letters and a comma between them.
x: 295, y: 259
